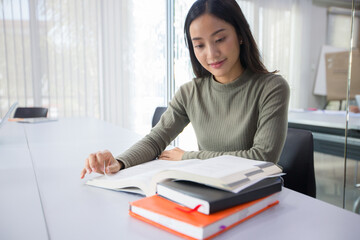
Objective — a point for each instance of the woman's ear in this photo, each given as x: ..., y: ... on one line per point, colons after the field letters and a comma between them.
x: 240, y: 40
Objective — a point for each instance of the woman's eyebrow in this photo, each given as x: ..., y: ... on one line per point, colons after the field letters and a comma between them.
x: 213, y: 34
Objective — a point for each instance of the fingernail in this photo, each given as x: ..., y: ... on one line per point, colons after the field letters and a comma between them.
x: 88, y: 171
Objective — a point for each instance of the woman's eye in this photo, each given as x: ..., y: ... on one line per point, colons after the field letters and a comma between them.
x: 199, y: 46
x: 220, y: 40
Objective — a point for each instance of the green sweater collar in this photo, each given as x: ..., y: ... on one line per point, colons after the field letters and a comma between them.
x: 240, y: 81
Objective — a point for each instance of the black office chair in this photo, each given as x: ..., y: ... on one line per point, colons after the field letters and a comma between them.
x: 157, y: 114
x: 30, y: 112
x: 297, y: 160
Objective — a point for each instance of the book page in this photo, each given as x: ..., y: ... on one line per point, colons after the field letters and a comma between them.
x: 145, y: 171
x: 221, y: 166
x: 137, y: 176
x: 225, y: 172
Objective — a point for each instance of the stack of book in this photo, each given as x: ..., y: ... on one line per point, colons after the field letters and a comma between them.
x: 198, y: 199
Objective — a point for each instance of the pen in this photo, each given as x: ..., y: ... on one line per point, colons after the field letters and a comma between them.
x: 105, y: 168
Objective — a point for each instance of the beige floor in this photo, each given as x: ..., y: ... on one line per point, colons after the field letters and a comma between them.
x: 329, y: 172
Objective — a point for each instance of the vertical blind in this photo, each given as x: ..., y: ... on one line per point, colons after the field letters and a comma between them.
x: 96, y: 58
x: 49, y: 56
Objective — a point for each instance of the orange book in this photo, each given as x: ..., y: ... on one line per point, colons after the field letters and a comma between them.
x: 190, y: 224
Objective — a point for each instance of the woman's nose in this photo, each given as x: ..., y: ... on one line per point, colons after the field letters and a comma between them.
x: 213, y: 51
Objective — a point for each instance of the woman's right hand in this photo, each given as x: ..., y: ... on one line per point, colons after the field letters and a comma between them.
x: 96, y: 162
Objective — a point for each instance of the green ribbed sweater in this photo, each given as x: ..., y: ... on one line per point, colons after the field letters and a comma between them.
x: 246, y: 117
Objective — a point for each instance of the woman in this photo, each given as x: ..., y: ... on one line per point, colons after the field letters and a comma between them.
x: 235, y: 105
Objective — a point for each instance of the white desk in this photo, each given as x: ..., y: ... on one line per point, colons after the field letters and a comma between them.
x: 73, y: 210
x: 20, y: 206
x: 328, y: 129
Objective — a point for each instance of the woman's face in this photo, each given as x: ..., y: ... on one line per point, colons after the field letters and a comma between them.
x: 216, y: 47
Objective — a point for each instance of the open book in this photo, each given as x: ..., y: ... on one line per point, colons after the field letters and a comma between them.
x: 224, y: 172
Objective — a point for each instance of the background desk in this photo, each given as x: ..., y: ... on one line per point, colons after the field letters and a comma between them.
x: 73, y: 210
x: 329, y: 131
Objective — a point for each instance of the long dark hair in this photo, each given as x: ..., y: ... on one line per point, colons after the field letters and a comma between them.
x: 229, y: 11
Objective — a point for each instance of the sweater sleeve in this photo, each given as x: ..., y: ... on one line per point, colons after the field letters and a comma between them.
x: 271, y: 130
x: 171, y: 123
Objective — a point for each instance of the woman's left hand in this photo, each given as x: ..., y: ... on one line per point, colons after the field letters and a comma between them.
x: 172, y: 155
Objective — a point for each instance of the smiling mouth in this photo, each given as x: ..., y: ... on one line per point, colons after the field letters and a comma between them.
x: 217, y: 64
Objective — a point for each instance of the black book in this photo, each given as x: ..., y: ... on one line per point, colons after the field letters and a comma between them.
x: 208, y: 200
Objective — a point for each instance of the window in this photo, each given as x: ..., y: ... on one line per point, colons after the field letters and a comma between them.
x: 85, y: 58
x: 338, y: 35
